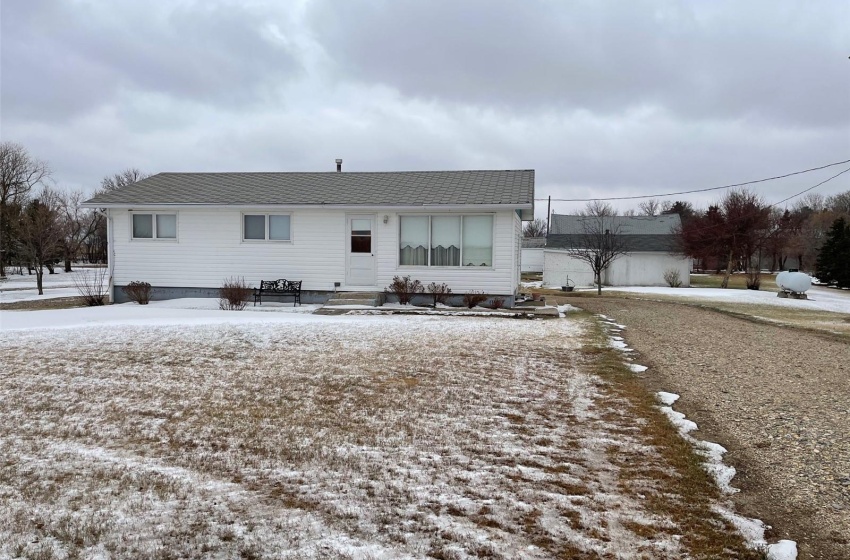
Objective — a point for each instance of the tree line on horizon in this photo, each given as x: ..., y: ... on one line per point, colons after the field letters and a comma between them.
x: 743, y: 233
x: 42, y: 226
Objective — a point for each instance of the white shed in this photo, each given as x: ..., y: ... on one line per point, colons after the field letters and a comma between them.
x: 652, y: 250
x: 532, y: 254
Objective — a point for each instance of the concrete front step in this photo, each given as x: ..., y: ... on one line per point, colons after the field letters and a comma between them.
x: 351, y: 301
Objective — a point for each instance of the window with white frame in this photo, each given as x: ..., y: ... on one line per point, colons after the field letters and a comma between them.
x: 446, y: 240
x: 154, y: 225
x: 266, y: 227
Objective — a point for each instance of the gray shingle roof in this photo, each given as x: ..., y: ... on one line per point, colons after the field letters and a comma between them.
x: 626, y: 225
x: 640, y: 233
x: 533, y: 242
x: 408, y: 188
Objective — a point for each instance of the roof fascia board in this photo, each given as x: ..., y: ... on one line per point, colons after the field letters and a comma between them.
x: 357, y: 207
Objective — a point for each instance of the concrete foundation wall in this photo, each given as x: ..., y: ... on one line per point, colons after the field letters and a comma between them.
x: 161, y: 293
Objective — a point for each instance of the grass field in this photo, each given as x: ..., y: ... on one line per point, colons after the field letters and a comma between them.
x: 736, y: 281
x: 345, y: 437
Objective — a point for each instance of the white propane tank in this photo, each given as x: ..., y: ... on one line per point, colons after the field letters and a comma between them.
x: 797, y: 282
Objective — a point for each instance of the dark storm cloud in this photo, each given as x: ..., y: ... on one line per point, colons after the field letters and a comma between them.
x: 699, y: 59
x: 63, y: 58
x: 601, y: 98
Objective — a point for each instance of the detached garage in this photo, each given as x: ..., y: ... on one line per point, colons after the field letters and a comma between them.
x: 532, y: 254
x: 651, y: 243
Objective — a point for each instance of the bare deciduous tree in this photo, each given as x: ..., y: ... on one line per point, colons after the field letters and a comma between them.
x: 600, y: 241
x: 96, y: 241
x: 19, y: 173
x: 649, y: 207
x: 840, y: 203
x: 535, y: 228
x: 41, y: 234
x: 119, y: 180
x: 77, y: 223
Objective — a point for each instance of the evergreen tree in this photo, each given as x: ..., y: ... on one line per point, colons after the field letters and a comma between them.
x: 833, y: 264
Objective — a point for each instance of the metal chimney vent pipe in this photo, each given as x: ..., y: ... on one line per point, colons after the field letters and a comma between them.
x: 338, y: 165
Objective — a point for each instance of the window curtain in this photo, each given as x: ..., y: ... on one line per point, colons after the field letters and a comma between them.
x: 143, y: 226
x: 445, y: 241
x: 413, y: 246
x: 255, y: 227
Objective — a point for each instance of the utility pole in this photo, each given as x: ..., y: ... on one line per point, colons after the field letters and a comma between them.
x: 549, y: 216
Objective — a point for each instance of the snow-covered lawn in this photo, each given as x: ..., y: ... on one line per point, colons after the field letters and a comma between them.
x: 819, y: 298
x: 143, y: 431
x: 19, y: 287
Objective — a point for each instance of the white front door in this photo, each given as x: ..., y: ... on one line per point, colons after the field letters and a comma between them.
x: 360, y: 250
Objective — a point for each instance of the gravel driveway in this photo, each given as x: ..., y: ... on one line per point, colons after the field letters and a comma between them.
x: 778, y: 398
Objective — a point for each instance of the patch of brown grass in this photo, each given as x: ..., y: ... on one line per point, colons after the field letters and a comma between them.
x: 40, y: 304
x: 683, y: 490
x: 736, y: 281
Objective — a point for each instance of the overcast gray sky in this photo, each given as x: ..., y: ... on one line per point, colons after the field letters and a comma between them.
x: 602, y: 99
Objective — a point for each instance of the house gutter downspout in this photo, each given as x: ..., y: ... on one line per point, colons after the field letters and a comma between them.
x: 110, y: 254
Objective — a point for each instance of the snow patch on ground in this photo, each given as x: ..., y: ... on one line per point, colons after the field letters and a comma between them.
x: 567, y: 308
x: 822, y: 299
x: 23, y: 288
x: 752, y: 529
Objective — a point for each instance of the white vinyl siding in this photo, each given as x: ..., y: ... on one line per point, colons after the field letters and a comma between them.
x: 211, y: 249
x: 634, y: 269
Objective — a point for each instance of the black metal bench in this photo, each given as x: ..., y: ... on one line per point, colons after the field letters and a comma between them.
x: 284, y: 288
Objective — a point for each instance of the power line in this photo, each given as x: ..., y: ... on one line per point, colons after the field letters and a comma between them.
x: 757, y: 211
x: 708, y: 189
x: 810, y: 188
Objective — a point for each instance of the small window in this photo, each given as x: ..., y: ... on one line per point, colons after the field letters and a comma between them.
x: 414, y: 241
x: 154, y: 226
x: 266, y: 227
x: 143, y: 226
x: 166, y: 226
x: 279, y: 228
x: 361, y: 236
x: 445, y: 240
x: 478, y: 240
x: 255, y: 227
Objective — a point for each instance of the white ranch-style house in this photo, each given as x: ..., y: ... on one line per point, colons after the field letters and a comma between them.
x: 186, y: 233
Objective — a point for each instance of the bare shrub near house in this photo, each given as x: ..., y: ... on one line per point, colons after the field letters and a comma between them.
x: 673, y: 278
x: 404, y: 288
x: 473, y: 298
x: 233, y: 294
x: 140, y: 292
x: 91, y: 284
x: 497, y: 303
x: 440, y: 292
